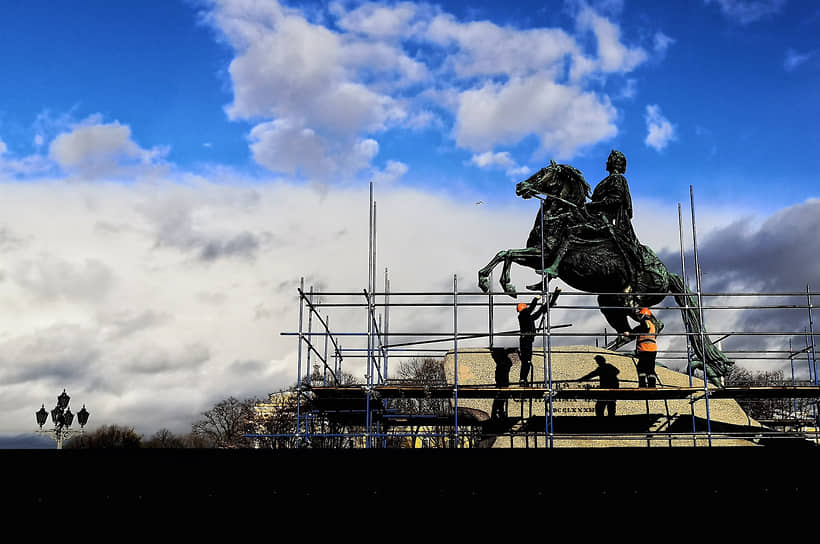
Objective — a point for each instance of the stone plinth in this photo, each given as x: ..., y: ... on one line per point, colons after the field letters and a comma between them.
x: 656, y: 422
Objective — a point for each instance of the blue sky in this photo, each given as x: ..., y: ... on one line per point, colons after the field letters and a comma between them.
x: 169, y: 170
x: 735, y: 81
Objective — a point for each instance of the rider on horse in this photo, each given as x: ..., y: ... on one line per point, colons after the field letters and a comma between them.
x: 611, y: 197
x: 613, y: 203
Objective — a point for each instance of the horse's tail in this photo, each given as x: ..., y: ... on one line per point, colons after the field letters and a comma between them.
x: 708, y: 357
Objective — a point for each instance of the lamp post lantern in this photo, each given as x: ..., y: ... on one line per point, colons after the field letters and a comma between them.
x: 62, y: 417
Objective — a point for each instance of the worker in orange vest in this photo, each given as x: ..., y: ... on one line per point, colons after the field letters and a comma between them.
x: 646, y: 346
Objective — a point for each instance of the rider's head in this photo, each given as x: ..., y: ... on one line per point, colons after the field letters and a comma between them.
x: 600, y: 359
x: 521, y: 306
x: 616, y: 163
x: 644, y: 313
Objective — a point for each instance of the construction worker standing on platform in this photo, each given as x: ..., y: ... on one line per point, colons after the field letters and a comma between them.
x: 527, y: 315
x: 647, y: 348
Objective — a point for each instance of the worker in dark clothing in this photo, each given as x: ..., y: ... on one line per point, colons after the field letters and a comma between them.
x: 646, y: 347
x: 608, y: 375
x: 527, y: 315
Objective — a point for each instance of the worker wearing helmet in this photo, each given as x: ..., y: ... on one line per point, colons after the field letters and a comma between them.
x: 527, y: 315
x: 646, y: 347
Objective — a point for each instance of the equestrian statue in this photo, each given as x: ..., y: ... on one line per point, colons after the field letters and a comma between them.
x: 592, y: 247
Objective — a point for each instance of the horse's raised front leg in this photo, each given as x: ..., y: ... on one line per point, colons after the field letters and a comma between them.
x: 484, y: 273
x: 524, y: 257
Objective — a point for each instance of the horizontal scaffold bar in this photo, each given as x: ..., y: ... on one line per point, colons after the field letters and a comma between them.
x: 563, y: 293
x: 537, y: 391
x: 580, y: 333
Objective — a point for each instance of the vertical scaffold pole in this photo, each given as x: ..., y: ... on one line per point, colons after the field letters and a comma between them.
x: 373, y: 292
x: 309, y: 368
x: 490, y: 295
x: 327, y: 325
x: 811, y: 333
x: 685, y: 285
x: 372, y: 312
x: 386, y: 324
x: 455, y: 355
x: 791, y: 361
x: 546, y: 338
x: 688, y: 340
x: 369, y: 365
x: 813, y: 355
x: 699, y: 283
x: 299, y: 362
x: 310, y: 334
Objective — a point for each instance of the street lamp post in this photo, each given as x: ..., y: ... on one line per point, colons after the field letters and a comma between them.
x: 62, y: 417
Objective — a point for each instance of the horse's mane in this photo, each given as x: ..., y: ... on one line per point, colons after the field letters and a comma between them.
x: 581, y: 189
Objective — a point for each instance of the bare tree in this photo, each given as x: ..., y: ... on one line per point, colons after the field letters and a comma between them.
x: 164, y: 438
x: 107, y: 436
x: 197, y: 441
x: 425, y: 372
x: 225, y: 425
x: 275, y: 420
x: 765, y: 409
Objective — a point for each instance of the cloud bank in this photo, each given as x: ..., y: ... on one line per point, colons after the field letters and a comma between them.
x: 152, y: 300
x: 321, y: 86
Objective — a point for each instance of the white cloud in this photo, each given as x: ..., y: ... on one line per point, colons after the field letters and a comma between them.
x: 748, y: 11
x: 311, y: 83
x: 564, y: 117
x: 22, y: 166
x: 344, y: 83
x: 794, y: 59
x: 282, y: 147
x: 484, y: 48
x: 115, y: 298
x: 630, y: 89
x: 659, y: 130
x: 501, y: 159
x: 378, y: 21
x: 518, y: 171
x: 391, y: 173
x: 93, y: 149
x: 613, y: 56
x: 662, y: 43
x: 489, y: 159
x: 48, y: 277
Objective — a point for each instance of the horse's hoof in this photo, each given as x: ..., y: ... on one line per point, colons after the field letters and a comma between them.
x: 483, y: 284
x: 510, y: 290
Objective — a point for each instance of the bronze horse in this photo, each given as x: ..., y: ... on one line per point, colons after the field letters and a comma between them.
x: 582, y: 249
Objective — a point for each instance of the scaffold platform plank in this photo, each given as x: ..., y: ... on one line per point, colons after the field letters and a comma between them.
x: 538, y: 391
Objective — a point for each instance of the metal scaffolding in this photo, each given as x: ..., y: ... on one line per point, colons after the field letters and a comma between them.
x: 366, y: 414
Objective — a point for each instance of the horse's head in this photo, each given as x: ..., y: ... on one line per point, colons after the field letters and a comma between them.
x: 555, y: 180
